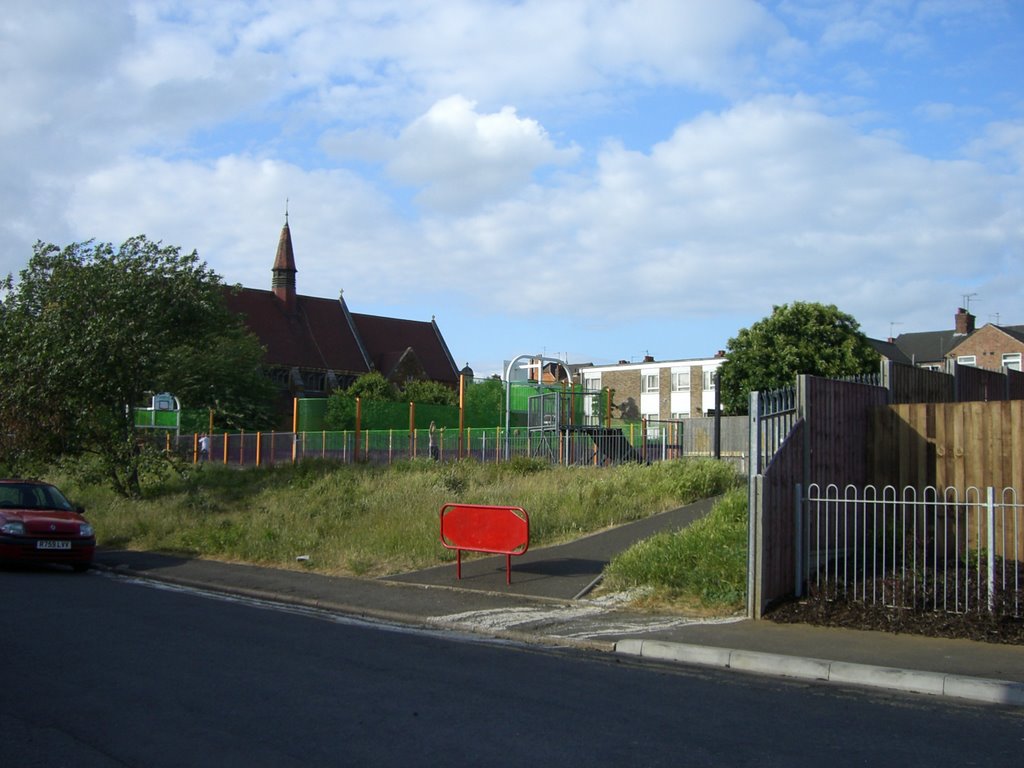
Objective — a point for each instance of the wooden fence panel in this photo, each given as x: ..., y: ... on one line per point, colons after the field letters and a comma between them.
x: 774, y: 538
x: 1014, y: 385
x: 837, y: 414
x: 850, y: 436
x: 909, y: 384
x: 978, y: 384
x: 953, y: 445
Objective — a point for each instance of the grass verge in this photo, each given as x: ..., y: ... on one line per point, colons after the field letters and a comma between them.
x: 372, y: 521
x: 703, y: 566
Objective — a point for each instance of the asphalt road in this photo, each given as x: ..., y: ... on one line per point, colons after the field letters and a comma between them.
x: 101, y: 670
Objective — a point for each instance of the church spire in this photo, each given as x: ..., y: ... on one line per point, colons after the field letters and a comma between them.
x: 283, y: 281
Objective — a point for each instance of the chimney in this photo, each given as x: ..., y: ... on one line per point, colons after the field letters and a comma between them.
x: 964, y: 322
x: 720, y: 353
x: 648, y: 358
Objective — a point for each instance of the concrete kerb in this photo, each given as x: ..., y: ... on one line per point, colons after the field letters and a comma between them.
x: 910, y: 681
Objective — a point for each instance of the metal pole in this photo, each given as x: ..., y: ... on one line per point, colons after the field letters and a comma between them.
x: 990, y: 545
x: 718, y: 416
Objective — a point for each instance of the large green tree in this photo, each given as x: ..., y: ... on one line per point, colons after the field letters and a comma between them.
x: 797, y: 338
x: 89, y: 331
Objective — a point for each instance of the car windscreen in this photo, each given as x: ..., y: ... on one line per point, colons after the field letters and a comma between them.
x: 32, y: 496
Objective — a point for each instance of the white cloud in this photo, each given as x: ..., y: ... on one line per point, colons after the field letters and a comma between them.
x: 464, y: 159
x: 767, y: 202
x: 232, y: 211
x: 1003, y: 140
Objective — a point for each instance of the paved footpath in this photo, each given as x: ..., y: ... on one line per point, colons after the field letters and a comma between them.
x: 548, y: 602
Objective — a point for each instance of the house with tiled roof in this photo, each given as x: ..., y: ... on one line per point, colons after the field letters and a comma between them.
x: 992, y: 346
x: 315, y: 345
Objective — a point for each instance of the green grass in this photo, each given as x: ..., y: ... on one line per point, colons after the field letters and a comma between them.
x: 371, y: 521
x: 704, y: 564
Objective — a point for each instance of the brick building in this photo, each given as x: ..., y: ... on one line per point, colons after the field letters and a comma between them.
x: 668, y: 389
x: 991, y: 346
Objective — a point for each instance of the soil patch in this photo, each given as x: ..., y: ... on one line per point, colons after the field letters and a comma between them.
x: 1000, y: 626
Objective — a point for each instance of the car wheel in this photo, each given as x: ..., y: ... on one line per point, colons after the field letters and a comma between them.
x: 80, y: 567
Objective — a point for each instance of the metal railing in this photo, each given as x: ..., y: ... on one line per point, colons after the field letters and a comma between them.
x: 576, y: 445
x: 930, y: 550
x: 772, y: 416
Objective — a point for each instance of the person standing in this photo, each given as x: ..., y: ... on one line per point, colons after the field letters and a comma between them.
x: 434, y: 453
x: 204, y: 447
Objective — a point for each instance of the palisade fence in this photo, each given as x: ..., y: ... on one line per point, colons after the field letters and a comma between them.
x: 571, y: 445
x: 930, y: 434
x: 928, y: 550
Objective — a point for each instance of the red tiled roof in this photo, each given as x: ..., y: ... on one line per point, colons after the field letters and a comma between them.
x: 387, y: 338
x: 319, y: 336
x: 316, y: 336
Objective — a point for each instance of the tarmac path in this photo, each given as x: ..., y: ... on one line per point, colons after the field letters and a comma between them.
x: 562, y: 571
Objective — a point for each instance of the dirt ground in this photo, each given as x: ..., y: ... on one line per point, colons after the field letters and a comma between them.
x: 820, y: 609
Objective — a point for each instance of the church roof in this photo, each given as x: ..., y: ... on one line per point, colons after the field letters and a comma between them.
x: 387, y: 339
x: 322, y: 334
x: 315, y: 336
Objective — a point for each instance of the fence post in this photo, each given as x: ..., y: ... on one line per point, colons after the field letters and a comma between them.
x: 295, y: 427
x: 412, y: 430
x: 798, y: 542
x: 359, y: 419
x: 754, y: 548
x: 755, y: 431
x: 643, y: 438
x: 990, y: 545
x: 462, y: 411
x: 718, y: 415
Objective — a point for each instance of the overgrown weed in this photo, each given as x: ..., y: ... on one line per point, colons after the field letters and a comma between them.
x: 366, y: 520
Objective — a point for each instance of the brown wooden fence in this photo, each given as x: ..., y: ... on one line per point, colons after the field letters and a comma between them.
x: 846, y: 433
x: 950, y: 445
x: 955, y: 445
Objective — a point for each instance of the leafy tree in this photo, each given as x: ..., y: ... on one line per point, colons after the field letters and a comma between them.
x: 798, y: 338
x: 373, y: 386
x: 432, y: 392
x: 370, y: 387
x: 485, y: 402
x: 90, y: 331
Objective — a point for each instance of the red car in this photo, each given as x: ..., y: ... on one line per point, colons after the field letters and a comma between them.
x: 39, y: 525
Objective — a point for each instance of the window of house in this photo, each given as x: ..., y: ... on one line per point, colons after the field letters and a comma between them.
x: 648, y: 382
x: 1011, y: 360
x: 967, y: 360
x: 592, y: 383
x: 680, y: 381
x: 709, y: 379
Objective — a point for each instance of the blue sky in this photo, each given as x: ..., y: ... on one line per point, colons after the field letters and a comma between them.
x: 596, y: 181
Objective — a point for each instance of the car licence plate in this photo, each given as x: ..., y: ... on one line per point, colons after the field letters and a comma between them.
x: 53, y: 545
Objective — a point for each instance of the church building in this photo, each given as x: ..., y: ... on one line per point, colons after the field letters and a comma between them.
x: 315, y: 345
